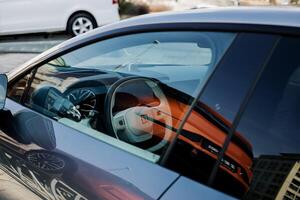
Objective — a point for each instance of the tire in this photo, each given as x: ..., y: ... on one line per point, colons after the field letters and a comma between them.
x: 81, y: 23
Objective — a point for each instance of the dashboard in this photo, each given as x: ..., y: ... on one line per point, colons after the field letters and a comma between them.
x: 88, y: 92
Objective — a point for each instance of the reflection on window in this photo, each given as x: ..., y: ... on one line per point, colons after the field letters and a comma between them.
x: 197, y: 150
x: 16, y: 91
x: 271, y: 124
x: 200, y: 143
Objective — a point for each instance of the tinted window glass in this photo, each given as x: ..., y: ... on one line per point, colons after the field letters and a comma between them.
x: 227, y: 90
x: 207, y: 127
x: 271, y: 126
x: 130, y: 91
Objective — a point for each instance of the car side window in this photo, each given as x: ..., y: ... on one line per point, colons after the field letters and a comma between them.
x: 130, y: 91
x: 269, y: 127
x: 271, y: 124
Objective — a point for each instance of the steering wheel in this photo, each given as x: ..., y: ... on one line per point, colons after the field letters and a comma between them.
x: 136, y: 124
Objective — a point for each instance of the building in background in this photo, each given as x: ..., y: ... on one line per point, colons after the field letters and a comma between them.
x: 276, y: 177
x: 291, y: 186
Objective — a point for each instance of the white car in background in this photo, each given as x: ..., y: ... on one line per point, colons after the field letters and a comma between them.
x: 73, y: 16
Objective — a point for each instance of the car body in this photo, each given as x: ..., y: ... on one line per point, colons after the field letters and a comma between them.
x: 20, y: 17
x: 156, y: 107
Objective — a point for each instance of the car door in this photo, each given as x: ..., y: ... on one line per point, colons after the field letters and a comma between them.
x: 65, y: 165
x: 57, y: 156
x: 59, y: 152
x: 28, y: 16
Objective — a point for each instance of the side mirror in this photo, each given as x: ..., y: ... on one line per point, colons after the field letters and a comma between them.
x: 3, y: 90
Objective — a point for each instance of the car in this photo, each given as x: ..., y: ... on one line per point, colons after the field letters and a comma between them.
x: 73, y: 16
x: 180, y: 105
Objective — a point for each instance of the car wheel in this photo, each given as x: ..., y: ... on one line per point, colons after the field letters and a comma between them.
x: 81, y: 23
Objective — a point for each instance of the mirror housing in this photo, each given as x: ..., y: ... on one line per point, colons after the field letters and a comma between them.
x: 3, y: 90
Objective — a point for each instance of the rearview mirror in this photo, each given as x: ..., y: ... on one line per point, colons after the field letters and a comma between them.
x: 3, y: 90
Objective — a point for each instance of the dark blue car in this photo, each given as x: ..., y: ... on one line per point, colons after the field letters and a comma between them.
x: 201, y: 104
